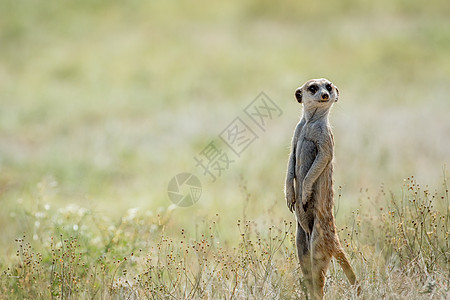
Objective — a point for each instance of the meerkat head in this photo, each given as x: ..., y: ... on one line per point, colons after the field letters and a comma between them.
x: 317, y: 93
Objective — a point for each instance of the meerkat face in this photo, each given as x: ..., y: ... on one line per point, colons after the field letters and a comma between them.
x: 317, y: 92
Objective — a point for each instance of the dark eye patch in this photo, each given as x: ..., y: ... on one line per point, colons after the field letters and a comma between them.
x: 328, y: 87
x: 313, y: 88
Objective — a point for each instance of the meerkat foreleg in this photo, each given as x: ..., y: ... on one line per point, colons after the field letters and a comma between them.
x: 289, y: 188
x: 323, y: 158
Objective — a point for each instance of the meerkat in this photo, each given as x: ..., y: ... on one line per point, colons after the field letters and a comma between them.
x: 309, y: 186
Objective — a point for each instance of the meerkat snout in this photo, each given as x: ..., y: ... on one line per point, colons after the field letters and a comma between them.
x: 325, y: 96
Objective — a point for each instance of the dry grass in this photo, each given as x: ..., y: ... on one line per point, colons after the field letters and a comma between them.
x: 399, y: 250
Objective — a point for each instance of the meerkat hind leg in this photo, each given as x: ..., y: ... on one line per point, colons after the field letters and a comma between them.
x: 320, y: 259
x: 304, y: 256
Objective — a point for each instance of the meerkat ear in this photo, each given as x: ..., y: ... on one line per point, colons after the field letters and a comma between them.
x: 337, y: 93
x: 299, y: 95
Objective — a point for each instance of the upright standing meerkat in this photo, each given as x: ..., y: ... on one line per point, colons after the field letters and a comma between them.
x: 309, y: 186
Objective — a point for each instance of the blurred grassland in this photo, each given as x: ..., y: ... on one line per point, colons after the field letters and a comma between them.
x: 104, y: 102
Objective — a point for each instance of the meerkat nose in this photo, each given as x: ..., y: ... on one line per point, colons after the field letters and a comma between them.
x: 325, y: 96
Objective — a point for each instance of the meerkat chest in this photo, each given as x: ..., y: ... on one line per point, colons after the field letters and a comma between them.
x: 307, y: 147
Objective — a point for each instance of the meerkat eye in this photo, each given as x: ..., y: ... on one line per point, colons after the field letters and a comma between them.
x: 328, y: 87
x: 313, y: 88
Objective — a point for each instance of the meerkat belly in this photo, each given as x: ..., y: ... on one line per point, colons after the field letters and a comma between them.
x: 307, y: 155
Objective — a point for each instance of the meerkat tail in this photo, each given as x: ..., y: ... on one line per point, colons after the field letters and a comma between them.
x: 348, y: 270
x: 345, y: 265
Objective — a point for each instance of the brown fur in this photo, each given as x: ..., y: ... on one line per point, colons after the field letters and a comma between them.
x: 309, y: 187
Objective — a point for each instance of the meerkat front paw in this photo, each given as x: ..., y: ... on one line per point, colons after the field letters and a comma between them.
x: 290, y: 201
x: 289, y: 193
x: 306, y: 194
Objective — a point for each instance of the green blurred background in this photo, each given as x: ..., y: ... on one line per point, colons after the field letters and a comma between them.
x: 102, y: 102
